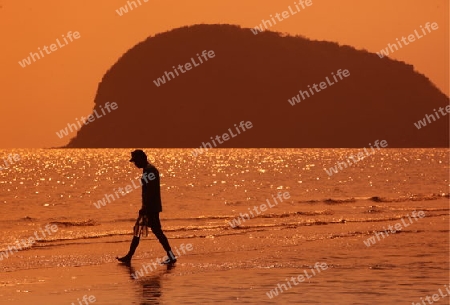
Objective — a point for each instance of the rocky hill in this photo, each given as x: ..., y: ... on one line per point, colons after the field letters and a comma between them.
x: 251, y: 78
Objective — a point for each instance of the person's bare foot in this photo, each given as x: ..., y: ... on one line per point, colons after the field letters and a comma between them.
x: 126, y: 259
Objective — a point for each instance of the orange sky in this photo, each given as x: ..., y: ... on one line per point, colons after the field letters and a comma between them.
x: 40, y: 99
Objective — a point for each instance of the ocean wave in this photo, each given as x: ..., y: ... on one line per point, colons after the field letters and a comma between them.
x: 409, y: 198
x: 84, y: 223
x: 217, y: 230
x: 414, y: 197
x: 372, y: 209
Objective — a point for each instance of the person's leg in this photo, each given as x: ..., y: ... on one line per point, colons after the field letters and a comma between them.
x: 155, y: 226
x: 133, y: 246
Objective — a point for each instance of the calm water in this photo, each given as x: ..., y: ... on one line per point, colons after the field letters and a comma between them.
x: 328, y: 217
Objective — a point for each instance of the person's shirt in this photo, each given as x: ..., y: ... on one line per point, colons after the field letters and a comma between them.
x: 151, y: 194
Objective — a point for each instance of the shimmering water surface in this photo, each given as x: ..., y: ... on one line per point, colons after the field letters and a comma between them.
x: 325, y: 219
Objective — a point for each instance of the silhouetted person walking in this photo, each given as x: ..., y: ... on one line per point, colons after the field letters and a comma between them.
x: 151, y: 207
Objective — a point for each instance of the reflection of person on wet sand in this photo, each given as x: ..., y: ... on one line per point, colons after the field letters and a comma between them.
x: 151, y: 286
x: 151, y: 207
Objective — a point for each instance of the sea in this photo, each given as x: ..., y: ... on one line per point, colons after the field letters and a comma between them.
x: 58, y: 244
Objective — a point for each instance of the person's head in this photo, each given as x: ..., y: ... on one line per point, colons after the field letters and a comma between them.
x: 139, y: 158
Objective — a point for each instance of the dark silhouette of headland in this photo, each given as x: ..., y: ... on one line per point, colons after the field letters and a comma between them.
x: 251, y: 78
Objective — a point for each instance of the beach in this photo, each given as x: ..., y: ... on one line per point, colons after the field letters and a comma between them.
x: 325, y: 221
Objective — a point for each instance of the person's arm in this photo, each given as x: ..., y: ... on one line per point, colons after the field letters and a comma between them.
x: 145, y: 198
x: 147, y: 189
